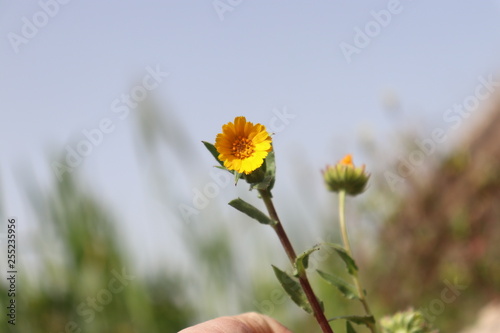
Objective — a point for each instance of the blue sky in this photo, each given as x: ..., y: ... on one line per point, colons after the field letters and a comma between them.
x: 253, y: 59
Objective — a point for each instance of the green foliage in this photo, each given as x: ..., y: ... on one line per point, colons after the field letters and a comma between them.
x: 351, y: 266
x: 302, y: 261
x: 293, y: 289
x: 347, y: 289
x: 360, y: 320
x: 349, y: 328
x: 251, y: 211
x: 92, y: 287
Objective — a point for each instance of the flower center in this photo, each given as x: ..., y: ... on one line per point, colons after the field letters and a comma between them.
x: 242, y: 148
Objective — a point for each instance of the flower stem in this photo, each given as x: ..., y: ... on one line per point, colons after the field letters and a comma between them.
x: 347, y: 246
x: 304, y: 282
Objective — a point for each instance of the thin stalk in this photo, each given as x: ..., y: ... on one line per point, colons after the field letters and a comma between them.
x: 304, y: 282
x: 347, y: 246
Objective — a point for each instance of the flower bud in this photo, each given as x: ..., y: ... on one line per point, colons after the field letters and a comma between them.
x: 344, y: 176
x: 410, y: 321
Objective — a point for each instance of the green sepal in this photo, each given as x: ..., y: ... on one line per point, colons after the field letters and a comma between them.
x: 302, y: 261
x: 360, y: 320
x: 237, y: 177
x: 255, y: 177
x: 348, y: 178
x: 270, y: 176
x: 293, y: 289
x: 347, y: 289
x: 211, y: 148
x: 264, y: 177
x: 251, y: 211
x: 349, y: 328
x: 352, y: 268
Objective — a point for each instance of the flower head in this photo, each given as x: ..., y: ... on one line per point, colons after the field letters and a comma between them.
x: 344, y: 176
x: 243, y: 146
x: 409, y: 321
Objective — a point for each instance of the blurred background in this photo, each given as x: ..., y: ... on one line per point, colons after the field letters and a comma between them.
x: 122, y: 221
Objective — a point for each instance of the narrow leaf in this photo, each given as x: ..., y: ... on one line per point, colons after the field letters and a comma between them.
x: 360, y: 320
x: 211, y: 148
x: 251, y: 211
x: 349, y: 328
x: 352, y: 268
x: 347, y: 289
x: 302, y: 261
x: 293, y: 289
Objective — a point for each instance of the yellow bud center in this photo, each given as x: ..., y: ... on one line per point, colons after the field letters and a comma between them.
x: 242, y: 148
x: 347, y: 160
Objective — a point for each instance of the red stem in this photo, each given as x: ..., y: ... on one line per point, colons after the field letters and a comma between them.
x: 304, y: 282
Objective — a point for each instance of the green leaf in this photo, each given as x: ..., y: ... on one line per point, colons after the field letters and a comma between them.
x: 293, y: 289
x: 302, y: 261
x: 352, y: 268
x: 211, y: 148
x: 347, y: 289
x: 349, y: 328
x: 360, y: 320
x: 251, y: 211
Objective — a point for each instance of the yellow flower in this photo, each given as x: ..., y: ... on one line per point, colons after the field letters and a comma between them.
x: 344, y: 176
x: 243, y: 146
